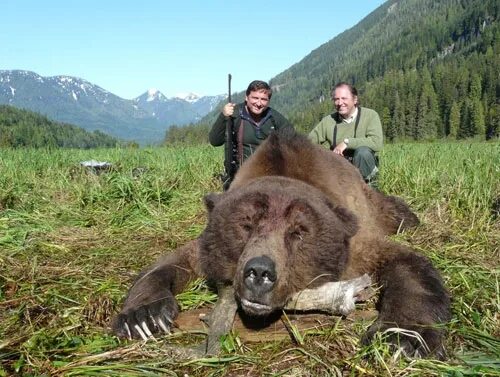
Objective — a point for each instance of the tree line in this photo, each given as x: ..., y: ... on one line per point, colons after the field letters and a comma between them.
x: 23, y: 128
x: 452, y: 98
x: 455, y: 99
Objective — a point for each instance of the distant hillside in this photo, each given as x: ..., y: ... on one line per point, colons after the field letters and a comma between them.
x: 76, y: 101
x: 430, y: 68
x: 23, y: 128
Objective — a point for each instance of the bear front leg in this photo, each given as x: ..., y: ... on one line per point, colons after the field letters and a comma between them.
x: 150, y: 306
x: 413, y: 306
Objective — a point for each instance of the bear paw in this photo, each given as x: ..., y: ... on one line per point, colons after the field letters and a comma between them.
x: 145, y: 321
x: 409, y: 343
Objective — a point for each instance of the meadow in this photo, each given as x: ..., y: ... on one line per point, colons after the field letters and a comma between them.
x: 71, y: 242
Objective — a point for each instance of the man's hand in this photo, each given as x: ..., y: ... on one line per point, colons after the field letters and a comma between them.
x: 340, y: 148
x: 228, y: 109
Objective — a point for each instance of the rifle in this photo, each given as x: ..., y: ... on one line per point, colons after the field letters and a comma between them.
x: 231, y: 158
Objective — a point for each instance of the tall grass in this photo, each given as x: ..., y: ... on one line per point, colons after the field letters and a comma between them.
x: 71, y: 242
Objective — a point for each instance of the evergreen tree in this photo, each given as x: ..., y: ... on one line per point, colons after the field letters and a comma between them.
x: 477, y: 118
x: 465, y: 129
x: 398, y: 118
x: 387, y: 124
x: 476, y: 112
x: 475, y: 87
x: 454, y: 120
x: 494, y: 122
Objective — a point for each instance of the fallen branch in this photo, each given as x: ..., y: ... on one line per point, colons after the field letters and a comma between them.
x: 336, y: 297
x: 220, y: 320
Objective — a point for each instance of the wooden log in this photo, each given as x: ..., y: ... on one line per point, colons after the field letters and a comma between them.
x: 193, y: 320
x: 333, y: 297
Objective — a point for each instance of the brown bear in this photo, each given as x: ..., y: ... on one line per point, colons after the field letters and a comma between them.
x: 295, y: 217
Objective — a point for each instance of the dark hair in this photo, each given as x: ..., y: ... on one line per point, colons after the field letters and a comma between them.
x: 351, y: 89
x: 257, y: 85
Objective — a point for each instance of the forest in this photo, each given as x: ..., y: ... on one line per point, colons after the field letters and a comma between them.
x: 23, y: 128
x: 429, y: 68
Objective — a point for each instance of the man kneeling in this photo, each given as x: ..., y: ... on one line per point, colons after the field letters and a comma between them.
x: 352, y: 131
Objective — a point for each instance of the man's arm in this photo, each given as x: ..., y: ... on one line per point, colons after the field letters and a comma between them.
x: 217, y: 135
x: 319, y: 134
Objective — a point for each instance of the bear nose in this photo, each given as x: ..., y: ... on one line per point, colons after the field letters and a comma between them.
x: 260, y: 274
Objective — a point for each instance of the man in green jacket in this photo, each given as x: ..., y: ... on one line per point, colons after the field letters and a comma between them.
x: 253, y: 120
x: 353, y: 132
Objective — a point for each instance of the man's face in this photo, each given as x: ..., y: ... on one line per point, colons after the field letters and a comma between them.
x: 344, y: 101
x: 257, y: 101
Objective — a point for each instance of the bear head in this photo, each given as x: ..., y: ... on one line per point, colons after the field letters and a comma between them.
x: 272, y: 238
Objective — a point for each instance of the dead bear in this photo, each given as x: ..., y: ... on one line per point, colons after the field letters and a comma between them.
x: 295, y: 217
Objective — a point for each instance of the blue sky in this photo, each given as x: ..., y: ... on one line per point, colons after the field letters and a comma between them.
x: 127, y: 47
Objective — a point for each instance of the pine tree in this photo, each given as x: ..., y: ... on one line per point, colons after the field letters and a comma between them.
x: 454, y: 121
x: 398, y: 118
x: 411, y: 93
x: 477, y: 118
x: 494, y: 122
x: 465, y: 129
x: 428, y: 112
x: 387, y: 124
x: 476, y: 110
x: 475, y: 87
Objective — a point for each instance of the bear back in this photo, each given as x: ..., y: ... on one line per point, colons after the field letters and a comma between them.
x: 289, y: 154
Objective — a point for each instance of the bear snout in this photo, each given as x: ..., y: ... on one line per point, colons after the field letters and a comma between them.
x: 255, y: 292
x: 259, y: 275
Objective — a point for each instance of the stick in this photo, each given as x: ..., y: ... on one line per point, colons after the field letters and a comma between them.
x: 336, y: 297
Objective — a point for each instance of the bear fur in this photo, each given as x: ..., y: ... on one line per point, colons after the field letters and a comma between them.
x: 297, y: 216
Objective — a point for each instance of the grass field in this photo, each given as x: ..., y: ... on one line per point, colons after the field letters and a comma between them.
x: 71, y: 243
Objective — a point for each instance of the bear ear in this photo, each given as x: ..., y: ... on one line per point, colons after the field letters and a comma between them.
x: 348, y: 218
x: 211, y: 200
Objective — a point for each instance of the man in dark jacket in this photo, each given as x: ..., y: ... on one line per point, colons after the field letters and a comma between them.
x: 253, y: 120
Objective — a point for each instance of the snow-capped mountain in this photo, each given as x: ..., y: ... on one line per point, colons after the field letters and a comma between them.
x: 189, y: 97
x: 163, y: 109
x: 155, y: 95
x: 204, y: 105
x: 77, y: 101
x: 179, y: 110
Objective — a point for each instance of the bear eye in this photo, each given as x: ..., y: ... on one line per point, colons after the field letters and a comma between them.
x: 297, y: 234
x: 247, y: 227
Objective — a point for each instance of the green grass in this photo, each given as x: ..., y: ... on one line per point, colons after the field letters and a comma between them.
x: 71, y: 243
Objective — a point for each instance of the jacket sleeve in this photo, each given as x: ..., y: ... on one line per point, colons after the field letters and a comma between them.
x: 318, y: 134
x: 374, y: 135
x: 217, y: 135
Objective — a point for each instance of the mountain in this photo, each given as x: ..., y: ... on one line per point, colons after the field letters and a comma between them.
x: 430, y: 68
x: 179, y: 110
x: 76, y: 101
x: 165, y: 110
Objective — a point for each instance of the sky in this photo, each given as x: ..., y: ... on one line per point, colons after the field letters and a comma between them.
x: 175, y: 46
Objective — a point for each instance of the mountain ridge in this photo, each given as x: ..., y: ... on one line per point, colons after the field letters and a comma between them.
x: 74, y: 100
x: 428, y: 67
